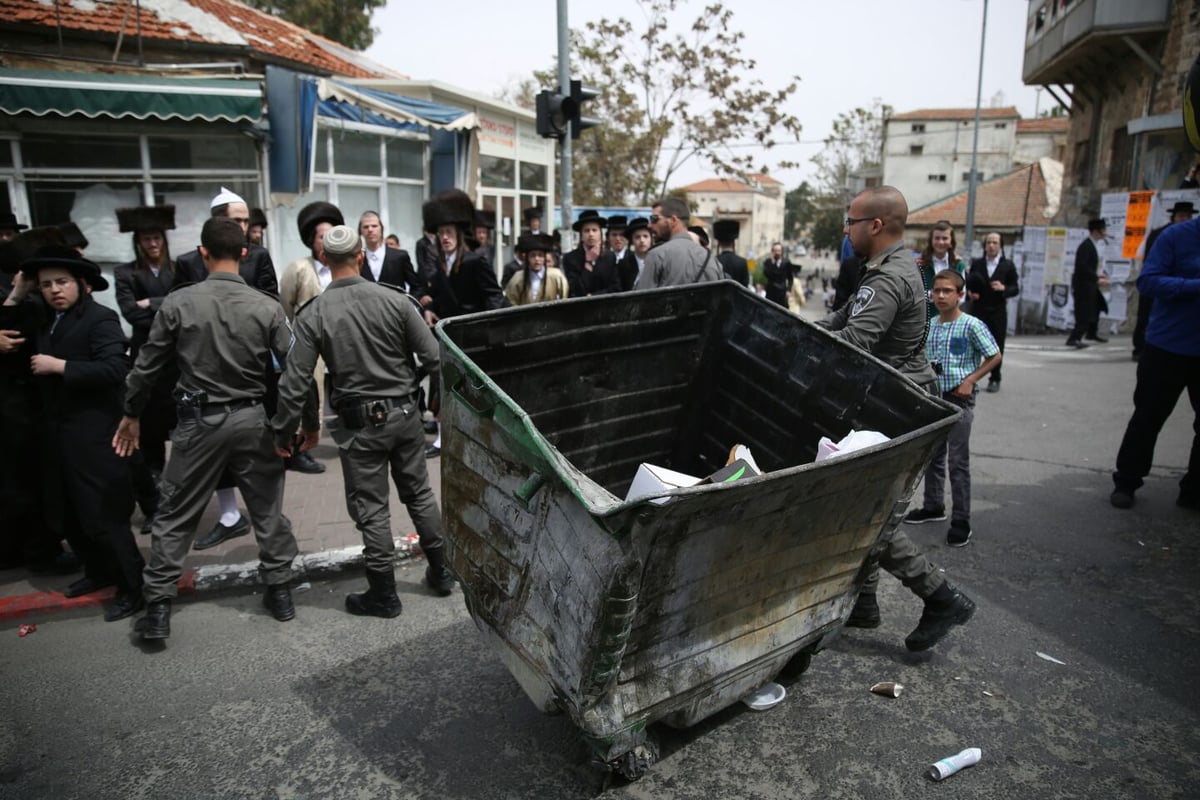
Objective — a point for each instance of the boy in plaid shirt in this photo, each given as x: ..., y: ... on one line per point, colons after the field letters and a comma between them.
x: 962, y: 350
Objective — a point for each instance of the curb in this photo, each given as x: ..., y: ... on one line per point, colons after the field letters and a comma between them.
x: 208, y: 578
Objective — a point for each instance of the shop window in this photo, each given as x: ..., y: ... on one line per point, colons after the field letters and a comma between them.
x: 356, y: 153
x: 6, y: 159
x: 497, y: 173
x: 354, y: 200
x: 533, y: 177
x: 405, y: 159
x: 322, y: 165
x: 404, y: 212
x: 202, y: 152
x: 40, y: 150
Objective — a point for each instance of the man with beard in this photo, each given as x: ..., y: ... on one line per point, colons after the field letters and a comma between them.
x: 678, y: 259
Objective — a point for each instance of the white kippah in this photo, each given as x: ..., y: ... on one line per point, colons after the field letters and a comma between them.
x: 225, y: 197
x: 341, y: 240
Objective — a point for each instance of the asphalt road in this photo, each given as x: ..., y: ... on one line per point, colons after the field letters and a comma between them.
x: 333, y: 706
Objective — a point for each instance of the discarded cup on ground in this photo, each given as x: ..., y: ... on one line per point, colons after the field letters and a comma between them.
x: 25, y: 630
x: 888, y: 689
x: 765, y: 697
x: 952, y: 764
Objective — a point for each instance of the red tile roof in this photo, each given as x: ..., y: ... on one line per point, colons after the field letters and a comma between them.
x: 999, y: 203
x: 1007, y: 112
x: 719, y: 185
x: 216, y: 22
x: 1044, y: 125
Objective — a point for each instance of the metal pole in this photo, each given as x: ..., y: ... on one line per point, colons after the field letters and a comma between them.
x: 970, y: 238
x: 566, y: 193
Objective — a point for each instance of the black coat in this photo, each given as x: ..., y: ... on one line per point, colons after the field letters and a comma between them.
x: 256, y: 269
x: 398, y: 270
x: 1087, y: 265
x: 627, y: 270
x: 471, y: 286
x: 131, y: 285
x: 778, y: 280
x: 601, y: 279
x: 979, y: 282
x: 510, y: 269
x: 735, y: 267
x: 427, y: 261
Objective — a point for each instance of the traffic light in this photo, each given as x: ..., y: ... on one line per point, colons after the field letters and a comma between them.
x: 551, y: 114
x: 555, y: 110
x: 580, y: 94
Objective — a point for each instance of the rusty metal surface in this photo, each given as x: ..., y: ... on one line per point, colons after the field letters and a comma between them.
x: 625, y: 613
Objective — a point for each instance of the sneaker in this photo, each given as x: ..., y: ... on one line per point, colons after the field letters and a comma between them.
x: 1121, y: 498
x: 925, y: 515
x: 959, y: 533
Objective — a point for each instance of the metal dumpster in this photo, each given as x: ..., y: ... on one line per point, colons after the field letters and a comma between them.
x: 619, y: 613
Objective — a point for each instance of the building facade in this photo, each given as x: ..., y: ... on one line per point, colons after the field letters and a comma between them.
x: 756, y: 201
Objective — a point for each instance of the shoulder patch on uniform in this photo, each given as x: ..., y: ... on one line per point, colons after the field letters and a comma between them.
x: 861, y: 300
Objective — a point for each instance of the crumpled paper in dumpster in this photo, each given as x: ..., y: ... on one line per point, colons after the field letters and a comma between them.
x: 651, y: 479
x: 854, y: 440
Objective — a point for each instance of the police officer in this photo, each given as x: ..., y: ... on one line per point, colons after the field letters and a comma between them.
x: 887, y: 318
x: 368, y: 333
x: 231, y: 331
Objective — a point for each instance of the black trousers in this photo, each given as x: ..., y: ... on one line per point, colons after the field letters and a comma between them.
x: 24, y: 533
x: 1161, y: 378
x: 1087, y: 311
x: 1145, y: 307
x: 996, y: 320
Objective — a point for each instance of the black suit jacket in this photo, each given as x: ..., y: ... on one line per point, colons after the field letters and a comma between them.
x: 735, y: 266
x: 131, y: 285
x: 256, y: 269
x: 427, y: 261
x: 627, y: 270
x: 601, y: 279
x: 1087, y: 264
x: 398, y: 270
x: 469, y: 288
x: 978, y: 281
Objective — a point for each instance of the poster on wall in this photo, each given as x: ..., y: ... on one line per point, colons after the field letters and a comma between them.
x: 1113, y: 208
x: 1118, y: 301
x: 1060, y: 310
x: 1056, y: 246
x: 1137, y: 216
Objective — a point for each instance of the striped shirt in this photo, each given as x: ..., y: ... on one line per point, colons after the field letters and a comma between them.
x: 960, y: 347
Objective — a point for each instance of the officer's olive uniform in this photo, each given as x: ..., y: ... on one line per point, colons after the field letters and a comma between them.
x: 221, y: 333
x: 367, y: 334
x: 887, y: 318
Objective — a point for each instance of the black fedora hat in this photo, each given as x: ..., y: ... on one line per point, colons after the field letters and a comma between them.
x: 617, y: 223
x: 146, y: 218
x: 65, y: 258
x: 531, y: 213
x: 257, y: 217
x: 23, y: 247
x: 589, y: 215
x: 535, y: 241
x: 313, y: 215
x: 1097, y: 224
x: 1182, y: 207
x: 8, y: 221
x: 726, y: 231
x: 636, y: 224
x: 484, y: 219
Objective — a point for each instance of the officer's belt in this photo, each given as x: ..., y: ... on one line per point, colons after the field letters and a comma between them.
x: 208, y: 409
x: 356, y: 412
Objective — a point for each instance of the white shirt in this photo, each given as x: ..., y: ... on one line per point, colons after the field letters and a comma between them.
x: 324, y: 275
x: 992, y: 264
x: 535, y: 283
x: 619, y: 255
x: 448, y: 262
x: 375, y: 260
x: 940, y: 264
x: 641, y: 262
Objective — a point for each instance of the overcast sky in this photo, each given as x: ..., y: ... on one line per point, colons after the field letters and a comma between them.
x: 909, y: 53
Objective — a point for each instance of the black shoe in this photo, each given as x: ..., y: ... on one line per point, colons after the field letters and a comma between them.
x: 959, y: 533
x: 1078, y: 345
x: 278, y: 600
x: 380, y: 598
x: 303, y: 462
x: 157, y: 622
x: 440, y: 580
x: 433, y: 451
x: 865, y: 613
x: 84, y: 586
x: 922, y: 515
x: 126, y: 605
x: 944, y: 609
x: 1189, y: 501
x: 1099, y: 339
x: 993, y: 387
x: 1121, y: 498
x: 221, y: 533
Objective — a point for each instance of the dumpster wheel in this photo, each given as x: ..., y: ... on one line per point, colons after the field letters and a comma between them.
x: 797, y: 665
x: 635, y: 763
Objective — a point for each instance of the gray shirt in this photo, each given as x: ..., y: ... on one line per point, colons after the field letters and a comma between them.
x: 887, y: 316
x: 678, y: 261
x: 221, y: 333
x: 367, y: 333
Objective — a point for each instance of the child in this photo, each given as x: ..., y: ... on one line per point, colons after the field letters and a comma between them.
x: 962, y: 350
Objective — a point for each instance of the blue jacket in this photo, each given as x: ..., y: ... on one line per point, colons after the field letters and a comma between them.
x: 1171, y: 275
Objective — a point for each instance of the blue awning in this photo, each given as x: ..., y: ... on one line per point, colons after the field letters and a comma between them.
x: 340, y: 100
x: 68, y: 94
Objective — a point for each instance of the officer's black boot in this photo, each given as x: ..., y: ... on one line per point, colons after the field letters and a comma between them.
x: 379, y: 600
x: 437, y: 576
x: 278, y: 600
x: 157, y: 622
x: 865, y: 613
x: 944, y: 609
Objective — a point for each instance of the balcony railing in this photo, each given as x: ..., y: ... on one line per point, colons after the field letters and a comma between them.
x: 1066, y: 39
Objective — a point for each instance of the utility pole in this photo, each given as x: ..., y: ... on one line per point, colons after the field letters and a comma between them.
x: 970, y: 238
x: 567, y: 190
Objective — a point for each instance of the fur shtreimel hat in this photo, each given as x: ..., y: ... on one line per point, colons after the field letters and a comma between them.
x: 313, y: 215
x: 535, y: 241
x: 23, y: 247
x: 726, y: 231
x: 146, y: 218
x: 449, y: 207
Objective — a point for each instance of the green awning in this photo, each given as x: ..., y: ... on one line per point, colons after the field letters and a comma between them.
x: 68, y: 94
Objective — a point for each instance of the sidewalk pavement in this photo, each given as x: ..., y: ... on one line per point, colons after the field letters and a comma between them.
x: 316, y: 504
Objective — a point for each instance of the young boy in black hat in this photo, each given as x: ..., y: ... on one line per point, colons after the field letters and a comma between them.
x: 80, y: 365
